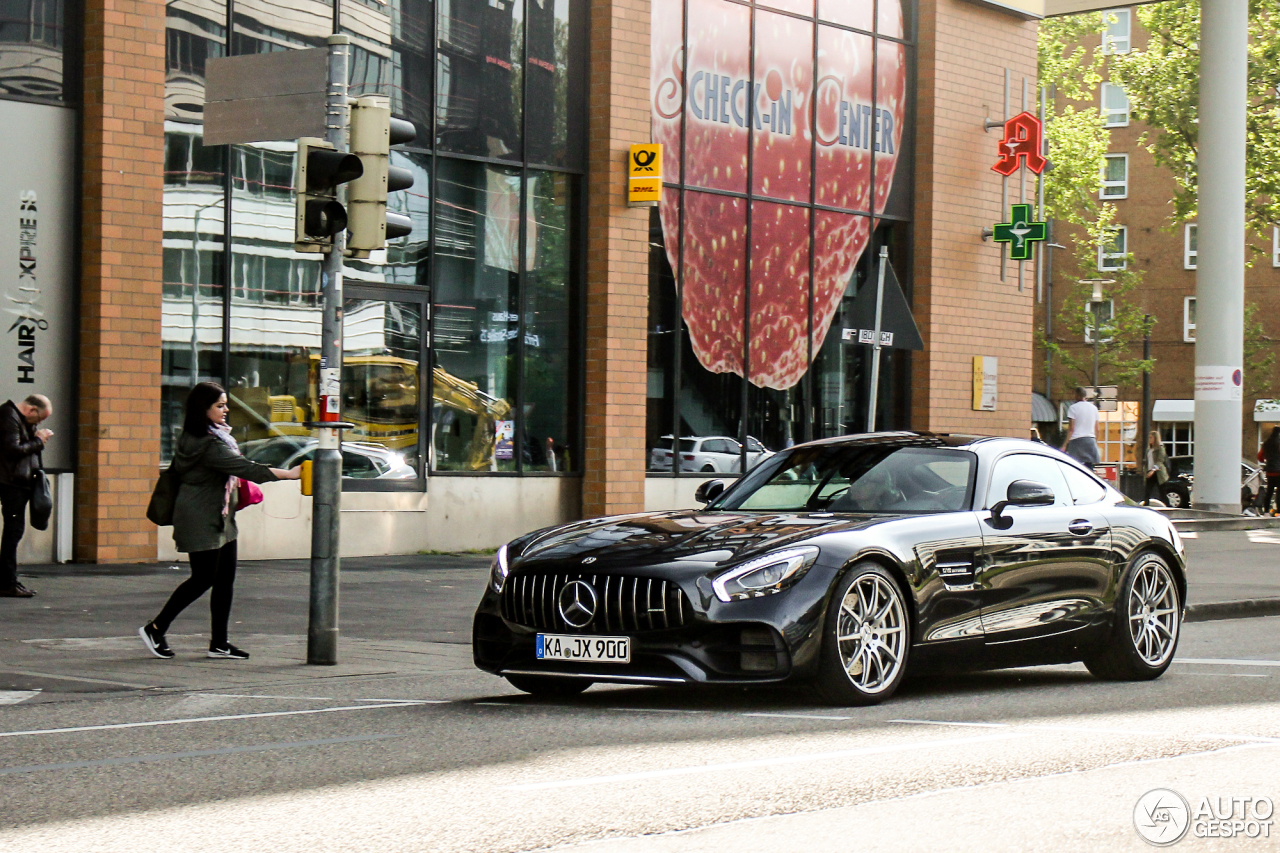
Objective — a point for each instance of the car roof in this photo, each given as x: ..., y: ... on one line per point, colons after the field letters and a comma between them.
x: 918, y: 438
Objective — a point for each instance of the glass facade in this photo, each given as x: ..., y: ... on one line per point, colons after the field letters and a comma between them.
x: 461, y: 350
x: 39, y: 50
x: 786, y: 135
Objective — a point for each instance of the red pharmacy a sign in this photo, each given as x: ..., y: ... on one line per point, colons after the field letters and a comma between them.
x: 1023, y: 141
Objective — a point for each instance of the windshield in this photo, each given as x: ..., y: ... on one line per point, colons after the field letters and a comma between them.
x: 861, y: 478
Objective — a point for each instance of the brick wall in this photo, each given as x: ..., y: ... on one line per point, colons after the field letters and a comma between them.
x: 123, y: 160
x: 961, y: 305
x: 617, y: 262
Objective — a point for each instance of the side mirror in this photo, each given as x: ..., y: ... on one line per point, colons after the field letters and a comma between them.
x: 1021, y: 493
x: 708, y: 491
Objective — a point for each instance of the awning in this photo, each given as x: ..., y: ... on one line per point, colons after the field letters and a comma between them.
x: 1042, y: 410
x: 1173, y: 410
x: 1266, y: 411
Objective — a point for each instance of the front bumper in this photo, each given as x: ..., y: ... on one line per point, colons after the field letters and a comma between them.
x: 759, y: 641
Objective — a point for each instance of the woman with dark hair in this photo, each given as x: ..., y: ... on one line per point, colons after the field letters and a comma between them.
x: 1269, y: 456
x: 209, y: 467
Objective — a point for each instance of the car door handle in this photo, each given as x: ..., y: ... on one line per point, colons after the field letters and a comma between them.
x: 1080, y: 527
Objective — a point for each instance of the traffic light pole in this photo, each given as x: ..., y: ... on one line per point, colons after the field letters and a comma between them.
x: 322, y: 631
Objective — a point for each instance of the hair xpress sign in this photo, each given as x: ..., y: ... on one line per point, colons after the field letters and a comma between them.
x: 37, y: 298
x: 812, y: 132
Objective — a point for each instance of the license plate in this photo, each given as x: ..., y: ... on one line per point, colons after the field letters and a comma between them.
x: 593, y: 649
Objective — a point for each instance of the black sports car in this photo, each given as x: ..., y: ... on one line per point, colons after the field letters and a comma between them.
x: 842, y: 562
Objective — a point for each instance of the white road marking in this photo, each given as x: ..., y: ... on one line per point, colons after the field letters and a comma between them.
x: 1263, y: 537
x: 149, y: 723
x: 1097, y: 730
x: 329, y: 698
x: 796, y: 716
x: 1228, y: 674
x: 199, y: 753
x: 654, y: 711
x: 1228, y: 662
x: 13, y: 697
x: 760, y: 762
x: 1188, y: 534
x: 62, y: 677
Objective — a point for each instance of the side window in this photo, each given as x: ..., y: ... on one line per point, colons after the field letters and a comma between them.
x: 1027, y: 466
x: 715, y: 445
x: 1084, y: 489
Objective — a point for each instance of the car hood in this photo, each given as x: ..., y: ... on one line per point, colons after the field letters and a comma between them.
x: 687, y: 536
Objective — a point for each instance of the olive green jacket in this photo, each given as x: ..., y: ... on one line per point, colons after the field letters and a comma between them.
x: 203, y: 466
x: 1161, y: 460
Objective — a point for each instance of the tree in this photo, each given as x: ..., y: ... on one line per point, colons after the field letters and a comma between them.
x: 1163, y: 84
x: 1117, y: 334
x: 1078, y: 139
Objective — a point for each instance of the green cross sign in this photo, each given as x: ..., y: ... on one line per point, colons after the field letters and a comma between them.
x: 1019, y: 232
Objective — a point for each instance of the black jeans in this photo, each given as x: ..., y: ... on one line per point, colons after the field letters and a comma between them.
x: 1153, y: 485
x: 13, y: 501
x: 1273, y: 484
x: 214, y: 570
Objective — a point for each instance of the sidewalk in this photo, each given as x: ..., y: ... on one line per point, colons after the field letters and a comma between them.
x: 400, y: 616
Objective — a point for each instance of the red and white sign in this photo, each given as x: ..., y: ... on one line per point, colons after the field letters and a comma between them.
x: 1023, y: 143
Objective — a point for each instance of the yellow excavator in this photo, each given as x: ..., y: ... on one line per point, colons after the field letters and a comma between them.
x: 379, y: 396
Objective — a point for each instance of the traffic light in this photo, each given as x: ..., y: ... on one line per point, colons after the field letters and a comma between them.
x: 319, y: 214
x: 373, y: 132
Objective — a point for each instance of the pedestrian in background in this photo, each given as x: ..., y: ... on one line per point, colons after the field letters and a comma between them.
x: 20, y: 447
x: 1082, y: 433
x: 1269, y: 456
x: 1157, y: 465
x: 209, y: 469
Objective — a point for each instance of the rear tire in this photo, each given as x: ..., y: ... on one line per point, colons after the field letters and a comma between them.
x: 548, y: 686
x: 1175, y: 499
x: 708, y: 469
x: 1148, y: 623
x: 866, y: 638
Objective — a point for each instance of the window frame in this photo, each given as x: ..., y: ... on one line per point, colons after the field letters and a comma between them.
x: 1111, y: 315
x: 1108, y: 114
x: 1124, y: 17
x: 1123, y: 183
x: 1188, y: 323
x: 1275, y: 245
x: 1104, y: 257
x: 1190, y: 252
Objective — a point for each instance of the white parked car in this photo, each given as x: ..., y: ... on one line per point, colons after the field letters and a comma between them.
x: 360, y: 460
x: 712, y: 454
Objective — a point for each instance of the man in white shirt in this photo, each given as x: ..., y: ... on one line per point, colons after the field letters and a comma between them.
x: 1082, y: 435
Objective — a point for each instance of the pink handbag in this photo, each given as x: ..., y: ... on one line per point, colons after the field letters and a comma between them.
x: 249, y: 494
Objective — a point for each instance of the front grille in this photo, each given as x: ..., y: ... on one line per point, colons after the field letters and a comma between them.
x: 625, y: 603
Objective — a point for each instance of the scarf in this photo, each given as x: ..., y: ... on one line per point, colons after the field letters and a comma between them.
x: 222, y: 432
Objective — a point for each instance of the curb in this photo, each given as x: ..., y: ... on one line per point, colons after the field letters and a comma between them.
x: 1214, y: 610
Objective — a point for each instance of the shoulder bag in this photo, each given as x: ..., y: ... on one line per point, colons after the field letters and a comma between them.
x: 160, y: 507
x: 41, y: 498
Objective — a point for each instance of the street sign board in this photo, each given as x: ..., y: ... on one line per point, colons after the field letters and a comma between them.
x: 644, y: 175
x: 1108, y: 406
x: 265, y: 96
x: 1107, y: 392
x: 897, y: 326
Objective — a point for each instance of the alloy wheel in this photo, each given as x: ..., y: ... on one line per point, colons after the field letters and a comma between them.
x: 1153, y: 613
x: 872, y: 633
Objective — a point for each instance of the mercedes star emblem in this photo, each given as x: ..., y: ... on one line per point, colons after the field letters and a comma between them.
x: 578, y: 603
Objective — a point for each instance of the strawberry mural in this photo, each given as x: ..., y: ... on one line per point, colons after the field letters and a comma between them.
x: 718, y: 110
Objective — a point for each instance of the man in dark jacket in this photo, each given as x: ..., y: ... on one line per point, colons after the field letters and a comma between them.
x: 20, y: 447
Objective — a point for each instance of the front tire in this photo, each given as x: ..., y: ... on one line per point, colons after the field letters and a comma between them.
x: 866, y: 638
x: 1148, y: 622
x: 1175, y: 499
x: 548, y: 686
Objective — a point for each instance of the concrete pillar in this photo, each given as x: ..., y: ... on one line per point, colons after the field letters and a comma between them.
x: 120, y: 281
x: 1220, y: 270
x: 617, y: 262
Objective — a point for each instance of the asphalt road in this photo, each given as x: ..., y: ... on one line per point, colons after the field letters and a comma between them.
x: 456, y: 761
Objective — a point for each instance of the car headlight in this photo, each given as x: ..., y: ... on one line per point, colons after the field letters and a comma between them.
x: 765, y: 575
x: 499, y: 569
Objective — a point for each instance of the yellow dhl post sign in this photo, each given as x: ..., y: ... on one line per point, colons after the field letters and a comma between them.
x: 644, y: 175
